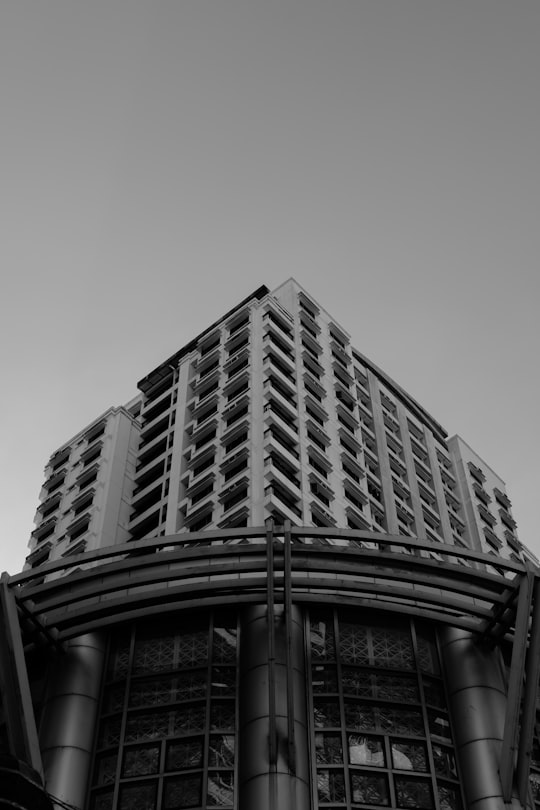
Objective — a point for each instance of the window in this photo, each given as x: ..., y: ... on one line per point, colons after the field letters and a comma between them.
x: 84, y: 503
x: 241, y: 388
x: 46, y: 529
x: 284, y: 496
x: 280, y: 344
x: 239, y: 322
x: 168, y: 716
x: 321, y: 491
x: 277, y: 321
x: 87, y: 477
x: 206, y: 437
x: 287, y: 416
x: 80, y: 528
x: 153, y: 431
x: 210, y: 343
x: 146, y: 501
x: 237, y: 468
x: 236, y: 442
x: 316, y: 466
x: 308, y: 306
x: 376, y: 728
x: 284, y: 467
x: 283, y: 440
x: 202, y: 493
x: 207, y: 390
x: 354, y: 497
x: 237, y: 414
x: 238, y: 495
x: 281, y: 366
x: 59, y: 458
x: 153, y: 412
x: 97, y: 430
x: 316, y: 439
x: 282, y: 389
x: 208, y: 462
x: 348, y: 470
x: 146, y: 527
x: 476, y: 473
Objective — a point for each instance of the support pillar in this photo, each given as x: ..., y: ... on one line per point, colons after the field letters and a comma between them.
x: 477, y: 698
x: 69, y: 719
x: 274, y: 773
x: 21, y: 770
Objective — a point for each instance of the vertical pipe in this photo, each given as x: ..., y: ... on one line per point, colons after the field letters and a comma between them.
x: 69, y: 719
x: 477, y: 698
x: 287, y: 565
x: 272, y: 742
x: 261, y: 784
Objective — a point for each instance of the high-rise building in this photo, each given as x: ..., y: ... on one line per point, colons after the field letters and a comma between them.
x: 270, y: 580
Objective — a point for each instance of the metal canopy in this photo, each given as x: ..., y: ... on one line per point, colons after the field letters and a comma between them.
x: 449, y: 584
x: 489, y: 596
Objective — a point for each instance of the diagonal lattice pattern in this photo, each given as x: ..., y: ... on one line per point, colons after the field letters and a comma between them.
x: 141, y: 761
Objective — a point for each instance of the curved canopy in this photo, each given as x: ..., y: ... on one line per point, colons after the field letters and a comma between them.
x: 440, y: 582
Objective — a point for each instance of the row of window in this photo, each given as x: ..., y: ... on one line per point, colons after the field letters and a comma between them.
x: 378, y: 732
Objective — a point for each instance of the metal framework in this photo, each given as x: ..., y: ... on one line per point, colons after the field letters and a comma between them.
x: 491, y: 597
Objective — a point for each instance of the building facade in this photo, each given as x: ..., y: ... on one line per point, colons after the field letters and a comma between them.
x: 271, y: 580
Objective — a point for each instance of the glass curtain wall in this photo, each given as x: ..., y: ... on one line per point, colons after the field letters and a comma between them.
x: 381, y: 732
x: 167, y: 731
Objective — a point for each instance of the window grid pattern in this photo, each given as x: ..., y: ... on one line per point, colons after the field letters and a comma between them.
x: 168, y: 717
x: 380, y: 730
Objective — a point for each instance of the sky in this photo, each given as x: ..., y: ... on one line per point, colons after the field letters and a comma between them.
x: 162, y: 159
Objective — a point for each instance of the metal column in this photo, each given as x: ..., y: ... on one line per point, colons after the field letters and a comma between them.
x: 477, y: 700
x: 273, y: 769
x: 69, y: 719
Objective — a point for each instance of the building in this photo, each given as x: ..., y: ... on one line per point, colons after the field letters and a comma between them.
x: 270, y: 580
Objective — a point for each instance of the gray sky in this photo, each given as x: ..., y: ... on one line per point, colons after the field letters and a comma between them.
x: 160, y: 160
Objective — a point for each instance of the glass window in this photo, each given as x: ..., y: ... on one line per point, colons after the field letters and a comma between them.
x: 182, y: 791
x: 164, y: 692
x: 140, y: 796
x: 184, y: 754
x: 220, y: 789
x: 328, y: 749
x: 366, y: 750
x: 369, y: 788
x: 322, y: 637
x: 330, y: 786
x: 141, y: 761
x: 413, y: 793
x: 409, y: 756
x: 324, y: 679
x: 369, y: 681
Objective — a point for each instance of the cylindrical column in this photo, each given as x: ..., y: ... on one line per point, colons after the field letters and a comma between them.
x: 69, y: 719
x: 478, y: 705
x: 283, y: 785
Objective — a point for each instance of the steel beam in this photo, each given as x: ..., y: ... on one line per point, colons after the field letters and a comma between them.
x: 18, y: 709
x: 528, y: 713
x: 517, y: 669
